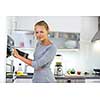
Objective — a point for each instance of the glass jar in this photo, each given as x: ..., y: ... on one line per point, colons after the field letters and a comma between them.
x: 59, y: 58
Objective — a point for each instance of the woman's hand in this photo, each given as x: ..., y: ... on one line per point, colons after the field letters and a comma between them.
x: 15, y: 53
x: 27, y: 61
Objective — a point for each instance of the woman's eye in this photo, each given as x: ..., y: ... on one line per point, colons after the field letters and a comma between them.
x: 36, y: 32
x: 41, y: 31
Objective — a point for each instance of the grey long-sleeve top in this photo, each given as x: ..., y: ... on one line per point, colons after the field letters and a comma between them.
x: 43, y: 56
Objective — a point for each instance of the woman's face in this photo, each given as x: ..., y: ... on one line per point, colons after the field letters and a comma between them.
x: 41, y: 33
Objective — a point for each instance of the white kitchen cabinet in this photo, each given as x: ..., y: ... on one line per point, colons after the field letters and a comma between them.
x: 89, y: 27
x: 23, y: 80
x: 24, y: 39
x: 65, y: 40
x: 92, y: 80
x: 11, y: 24
x: 60, y: 81
x: 80, y: 80
x: 70, y: 80
x: 56, y: 23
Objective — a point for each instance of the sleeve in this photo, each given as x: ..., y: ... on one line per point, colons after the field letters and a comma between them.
x: 47, y: 57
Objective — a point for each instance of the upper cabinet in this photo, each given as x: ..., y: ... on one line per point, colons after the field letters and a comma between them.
x: 24, y: 39
x: 64, y: 30
x: 65, y: 40
x: 56, y: 23
x: 89, y: 27
x: 11, y: 24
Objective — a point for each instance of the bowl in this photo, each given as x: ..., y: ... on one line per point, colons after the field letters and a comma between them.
x: 78, y: 72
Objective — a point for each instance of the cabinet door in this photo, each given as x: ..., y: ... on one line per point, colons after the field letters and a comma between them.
x: 65, y: 81
x: 56, y: 23
x: 60, y: 81
x: 11, y: 24
x: 65, y: 40
x: 23, y: 81
x: 24, y: 39
x: 69, y: 81
x: 80, y: 81
x: 92, y: 80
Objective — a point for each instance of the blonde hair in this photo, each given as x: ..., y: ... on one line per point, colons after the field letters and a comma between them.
x: 42, y: 23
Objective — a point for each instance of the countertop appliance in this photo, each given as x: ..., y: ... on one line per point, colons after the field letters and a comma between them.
x: 10, y: 44
x: 9, y: 62
x: 97, y: 71
x: 58, y: 69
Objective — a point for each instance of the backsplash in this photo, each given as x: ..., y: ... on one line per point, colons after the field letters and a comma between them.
x: 70, y: 59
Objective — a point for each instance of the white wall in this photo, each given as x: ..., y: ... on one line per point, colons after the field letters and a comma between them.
x: 3, y: 42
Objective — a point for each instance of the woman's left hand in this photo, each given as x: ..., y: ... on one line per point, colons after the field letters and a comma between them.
x: 15, y: 53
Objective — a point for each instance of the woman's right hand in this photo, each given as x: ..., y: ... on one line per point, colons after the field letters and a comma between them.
x: 15, y: 53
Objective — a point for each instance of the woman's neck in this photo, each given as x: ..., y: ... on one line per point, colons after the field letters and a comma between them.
x: 46, y: 42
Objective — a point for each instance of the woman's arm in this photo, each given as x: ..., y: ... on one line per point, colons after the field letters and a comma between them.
x: 47, y: 57
x: 27, y: 61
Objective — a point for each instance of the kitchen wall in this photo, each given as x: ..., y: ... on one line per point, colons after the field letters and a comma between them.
x: 86, y: 58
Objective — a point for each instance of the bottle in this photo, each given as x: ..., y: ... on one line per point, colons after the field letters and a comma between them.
x: 20, y: 67
x: 19, y: 72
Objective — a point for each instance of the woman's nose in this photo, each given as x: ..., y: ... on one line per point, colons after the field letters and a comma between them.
x: 39, y: 34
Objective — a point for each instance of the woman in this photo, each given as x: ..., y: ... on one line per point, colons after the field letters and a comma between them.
x: 43, y: 55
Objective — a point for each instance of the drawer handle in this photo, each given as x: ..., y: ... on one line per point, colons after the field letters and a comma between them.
x: 69, y: 81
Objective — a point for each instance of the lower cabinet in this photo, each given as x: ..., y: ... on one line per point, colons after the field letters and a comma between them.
x: 92, y: 80
x: 60, y: 81
x: 70, y: 80
x: 9, y: 80
x: 79, y: 80
x: 22, y: 80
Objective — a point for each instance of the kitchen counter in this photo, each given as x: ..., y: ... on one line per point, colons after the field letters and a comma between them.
x: 78, y: 77
x: 70, y: 79
x: 12, y: 78
x: 60, y: 79
x: 92, y: 77
x: 25, y: 76
x: 69, y: 76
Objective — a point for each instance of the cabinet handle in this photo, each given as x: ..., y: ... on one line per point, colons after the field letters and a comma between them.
x: 69, y: 81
